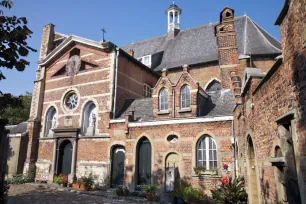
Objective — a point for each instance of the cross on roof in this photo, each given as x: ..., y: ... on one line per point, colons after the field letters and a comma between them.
x: 103, y: 32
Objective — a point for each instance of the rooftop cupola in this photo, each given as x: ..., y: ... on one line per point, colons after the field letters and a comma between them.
x: 173, y: 13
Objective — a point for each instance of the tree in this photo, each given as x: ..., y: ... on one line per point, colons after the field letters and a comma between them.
x: 16, y: 114
x: 13, y: 47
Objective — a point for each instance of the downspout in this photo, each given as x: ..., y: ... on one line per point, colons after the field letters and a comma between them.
x: 173, y: 104
x: 116, y: 79
x: 234, y: 153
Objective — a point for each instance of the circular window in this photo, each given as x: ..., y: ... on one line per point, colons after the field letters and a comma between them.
x: 172, y: 139
x: 71, y: 100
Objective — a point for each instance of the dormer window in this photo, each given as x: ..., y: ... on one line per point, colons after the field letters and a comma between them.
x: 146, y: 60
x: 147, y: 91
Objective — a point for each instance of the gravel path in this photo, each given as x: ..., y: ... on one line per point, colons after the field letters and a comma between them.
x: 45, y: 194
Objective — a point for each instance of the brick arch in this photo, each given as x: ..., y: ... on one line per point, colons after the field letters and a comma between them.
x: 112, y: 145
x: 212, y: 80
x: 181, y: 164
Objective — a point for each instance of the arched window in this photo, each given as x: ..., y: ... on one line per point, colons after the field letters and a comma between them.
x: 207, y: 153
x: 50, y: 123
x: 185, y: 97
x: 163, y: 99
x: 89, y: 119
x: 213, y: 86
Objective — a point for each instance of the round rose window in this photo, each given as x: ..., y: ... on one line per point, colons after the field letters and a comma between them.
x: 71, y: 100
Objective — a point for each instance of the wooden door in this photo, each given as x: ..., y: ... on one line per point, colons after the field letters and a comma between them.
x: 144, y: 162
x: 65, y: 158
x: 118, y: 156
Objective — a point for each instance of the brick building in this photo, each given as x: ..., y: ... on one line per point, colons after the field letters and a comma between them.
x: 151, y: 111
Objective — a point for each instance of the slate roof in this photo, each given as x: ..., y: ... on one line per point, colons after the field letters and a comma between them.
x: 221, y: 104
x: 20, y: 128
x: 199, y: 45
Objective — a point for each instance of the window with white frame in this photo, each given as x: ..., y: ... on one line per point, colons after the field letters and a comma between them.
x: 163, y: 99
x: 207, y: 153
x: 147, y: 91
x: 146, y: 60
x: 50, y: 121
x: 185, y: 97
x: 89, y: 119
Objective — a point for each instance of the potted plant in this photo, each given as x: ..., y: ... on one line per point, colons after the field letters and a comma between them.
x: 179, y: 187
x: 87, y: 183
x: 193, y: 196
x: 58, y: 180
x: 230, y: 191
x: 125, y: 191
x: 75, y: 183
x: 64, y: 180
x: 3, y: 192
x: 199, y: 169
x: 150, y: 191
x: 119, y: 191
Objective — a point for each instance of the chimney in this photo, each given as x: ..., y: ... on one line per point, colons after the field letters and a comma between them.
x: 131, y: 52
x: 164, y: 72
x: 47, y: 41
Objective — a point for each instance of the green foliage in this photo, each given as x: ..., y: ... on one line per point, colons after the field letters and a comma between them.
x: 87, y: 181
x: 199, y: 169
x: 18, y: 111
x: 150, y: 188
x: 4, y: 189
x: 179, y: 187
x: 61, y: 179
x: 232, y: 192
x: 13, y: 45
x: 191, y: 194
x: 19, y: 179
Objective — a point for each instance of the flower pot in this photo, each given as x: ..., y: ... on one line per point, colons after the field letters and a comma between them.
x: 195, y: 202
x: 76, y: 185
x: 149, y: 196
x: 84, y: 188
x: 119, y: 193
x: 125, y: 192
x: 3, y: 200
x: 179, y: 200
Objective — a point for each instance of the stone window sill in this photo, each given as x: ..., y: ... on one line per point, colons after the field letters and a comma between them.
x: 208, y: 173
x: 184, y: 110
x: 163, y: 112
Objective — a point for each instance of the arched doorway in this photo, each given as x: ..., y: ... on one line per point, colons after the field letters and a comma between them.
x: 117, y: 173
x: 144, y: 158
x: 172, y: 171
x: 65, y: 158
x: 252, y: 174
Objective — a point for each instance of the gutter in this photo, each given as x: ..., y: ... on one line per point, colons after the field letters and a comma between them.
x: 116, y: 80
x: 173, y: 103
x: 234, y: 153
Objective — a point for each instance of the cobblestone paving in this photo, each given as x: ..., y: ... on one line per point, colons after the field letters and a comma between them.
x: 45, y: 194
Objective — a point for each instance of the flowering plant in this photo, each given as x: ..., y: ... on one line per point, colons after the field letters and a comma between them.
x: 225, y: 180
x: 225, y: 166
x: 64, y: 178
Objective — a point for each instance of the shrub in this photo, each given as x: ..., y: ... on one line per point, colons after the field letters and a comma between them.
x: 4, y: 189
x: 231, y: 191
x: 191, y: 194
x: 150, y: 188
x: 19, y: 179
x: 179, y: 187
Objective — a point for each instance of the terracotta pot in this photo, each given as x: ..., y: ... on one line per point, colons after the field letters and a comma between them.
x: 84, y: 188
x: 76, y: 185
x: 125, y: 192
x: 195, y: 202
x: 3, y: 200
x: 149, y: 196
x: 119, y: 193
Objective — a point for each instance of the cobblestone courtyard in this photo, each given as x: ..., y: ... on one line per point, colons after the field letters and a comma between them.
x: 45, y: 194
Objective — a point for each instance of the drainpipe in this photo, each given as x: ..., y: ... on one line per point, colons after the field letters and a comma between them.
x: 116, y: 79
x: 234, y: 153
x: 173, y: 104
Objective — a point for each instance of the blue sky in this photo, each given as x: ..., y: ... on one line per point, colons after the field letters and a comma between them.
x: 126, y: 21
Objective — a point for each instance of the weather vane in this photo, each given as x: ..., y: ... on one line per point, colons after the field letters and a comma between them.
x: 103, y: 32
